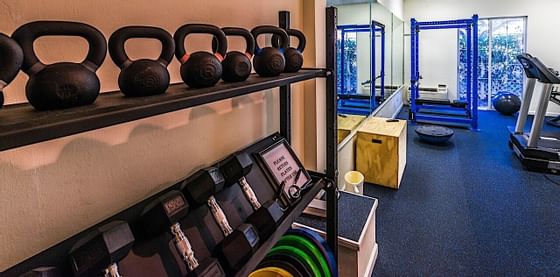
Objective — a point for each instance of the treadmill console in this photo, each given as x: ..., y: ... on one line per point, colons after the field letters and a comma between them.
x: 535, y: 69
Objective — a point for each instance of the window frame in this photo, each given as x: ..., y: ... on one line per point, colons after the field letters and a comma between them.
x: 490, y: 20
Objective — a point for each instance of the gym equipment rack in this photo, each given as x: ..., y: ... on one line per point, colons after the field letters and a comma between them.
x: 21, y: 125
x: 468, y: 110
x: 353, y: 103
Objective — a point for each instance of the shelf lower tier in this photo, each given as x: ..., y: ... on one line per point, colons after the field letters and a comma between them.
x: 282, y: 228
x: 21, y: 125
x: 158, y: 255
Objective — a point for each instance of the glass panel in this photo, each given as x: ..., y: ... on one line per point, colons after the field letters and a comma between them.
x: 508, y: 40
x: 363, y: 57
x: 498, y: 48
x: 353, y: 64
x: 383, y: 41
x: 483, y: 44
x: 483, y: 59
x: 397, y: 55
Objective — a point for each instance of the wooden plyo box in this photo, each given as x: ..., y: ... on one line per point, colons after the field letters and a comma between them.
x: 381, y: 151
x: 346, y: 124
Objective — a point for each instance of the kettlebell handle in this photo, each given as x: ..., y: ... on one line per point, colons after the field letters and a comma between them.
x: 29, y: 32
x: 183, y: 31
x: 293, y: 33
x: 245, y: 34
x: 119, y: 37
x: 269, y: 29
x: 12, y: 57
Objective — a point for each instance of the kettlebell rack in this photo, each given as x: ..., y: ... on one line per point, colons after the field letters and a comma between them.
x: 21, y: 125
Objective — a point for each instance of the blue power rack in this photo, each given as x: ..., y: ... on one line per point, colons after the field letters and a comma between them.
x: 446, y: 114
x: 351, y: 102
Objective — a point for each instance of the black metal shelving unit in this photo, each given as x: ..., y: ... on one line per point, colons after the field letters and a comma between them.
x: 20, y: 125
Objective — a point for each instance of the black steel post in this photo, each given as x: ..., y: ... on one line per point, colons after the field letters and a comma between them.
x: 285, y: 91
x: 332, y: 151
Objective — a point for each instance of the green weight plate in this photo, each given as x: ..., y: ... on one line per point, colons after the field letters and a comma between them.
x: 298, y: 254
x: 310, y: 249
x: 320, y: 243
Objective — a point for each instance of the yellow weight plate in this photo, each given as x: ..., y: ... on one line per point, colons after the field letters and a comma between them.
x: 271, y: 272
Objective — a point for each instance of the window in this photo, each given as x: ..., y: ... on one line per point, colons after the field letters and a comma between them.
x: 500, y: 40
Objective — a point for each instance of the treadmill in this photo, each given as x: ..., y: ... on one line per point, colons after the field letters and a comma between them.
x: 536, y: 152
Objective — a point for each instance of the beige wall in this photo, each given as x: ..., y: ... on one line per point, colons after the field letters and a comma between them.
x: 54, y: 189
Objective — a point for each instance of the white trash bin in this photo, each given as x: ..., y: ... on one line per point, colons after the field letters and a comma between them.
x: 354, y: 182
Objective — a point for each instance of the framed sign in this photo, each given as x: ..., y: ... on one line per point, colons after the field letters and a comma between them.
x: 286, y: 171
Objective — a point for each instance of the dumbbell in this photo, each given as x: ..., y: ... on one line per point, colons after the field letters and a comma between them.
x: 162, y: 215
x: 49, y: 271
x: 267, y: 216
x: 98, y: 252
x: 239, y: 244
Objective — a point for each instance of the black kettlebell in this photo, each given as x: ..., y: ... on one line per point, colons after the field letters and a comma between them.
x: 270, y: 61
x: 200, y: 69
x: 11, y: 57
x: 65, y: 84
x: 142, y: 77
x: 294, y: 56
x: 236, y: 65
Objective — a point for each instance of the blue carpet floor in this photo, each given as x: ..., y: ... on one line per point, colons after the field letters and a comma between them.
x: 468, y: 209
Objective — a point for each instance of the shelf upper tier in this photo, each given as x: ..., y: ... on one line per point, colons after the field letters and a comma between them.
x: 21, y: 125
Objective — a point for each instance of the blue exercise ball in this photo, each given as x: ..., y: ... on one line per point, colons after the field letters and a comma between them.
x: 506, y: 103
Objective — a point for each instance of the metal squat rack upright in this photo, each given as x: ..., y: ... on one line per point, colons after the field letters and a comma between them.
x: 471, y: 108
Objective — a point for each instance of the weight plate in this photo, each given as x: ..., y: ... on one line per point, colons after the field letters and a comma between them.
x: 310, y: 249
x: 271, y: 272
x: 290, y: 263
x: 298, y: 254
x: 321, y: 245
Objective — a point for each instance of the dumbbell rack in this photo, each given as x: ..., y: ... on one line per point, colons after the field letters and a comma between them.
x: 20, y: 125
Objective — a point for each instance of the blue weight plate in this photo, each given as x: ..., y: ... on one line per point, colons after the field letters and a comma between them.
x: 320, y: 243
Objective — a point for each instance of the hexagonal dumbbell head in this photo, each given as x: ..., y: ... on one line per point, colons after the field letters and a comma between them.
x: 266, y: 217
x: 98, y: 252
x: 201, y: 188
x: 43, y: 272
x: 239, y: 244
x: 209, y: 267
x: 236, y: 249
x: 202, y: 185
x: 158, y: 216
x: 163, y: 215
x: 236, y: 167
